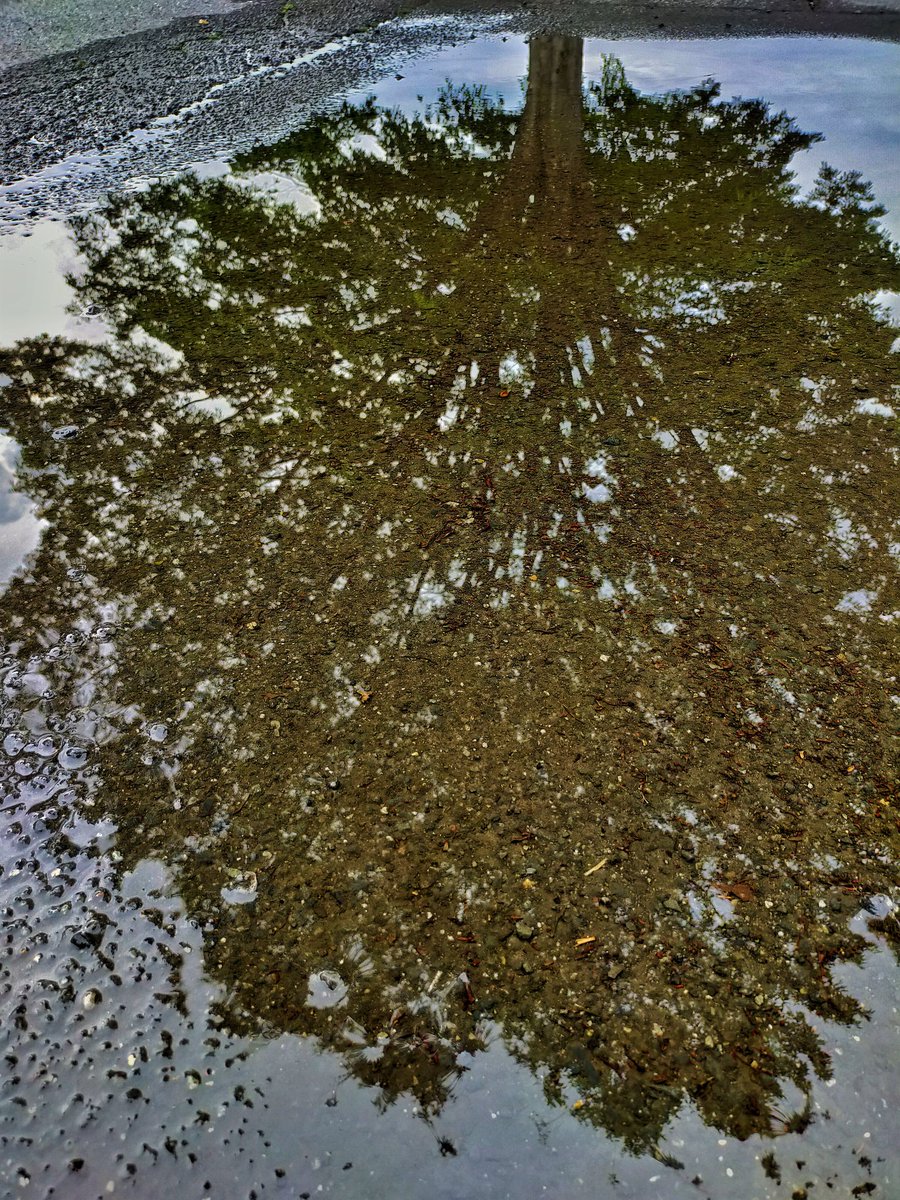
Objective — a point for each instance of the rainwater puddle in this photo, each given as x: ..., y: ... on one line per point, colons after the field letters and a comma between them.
x: 449, y: 617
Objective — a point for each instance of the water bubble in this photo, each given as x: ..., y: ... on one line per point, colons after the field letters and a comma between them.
x: 41, y: 785
x: 75, y: 573
x: 72, y: 757
x: 326, y: 989
x: 157, y: 732
x: 13, y: 744
x: 44, y: 746
x: 91, y: 998
x: 65, y: 433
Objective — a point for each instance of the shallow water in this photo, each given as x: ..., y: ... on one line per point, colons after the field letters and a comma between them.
x: 449, y: 568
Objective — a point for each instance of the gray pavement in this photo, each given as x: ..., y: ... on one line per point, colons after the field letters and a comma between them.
x: 31, y: 29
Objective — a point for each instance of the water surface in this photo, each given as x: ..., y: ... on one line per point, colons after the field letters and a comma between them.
x: 449, y: 679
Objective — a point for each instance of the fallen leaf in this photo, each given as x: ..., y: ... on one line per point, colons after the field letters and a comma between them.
x: 738, y: 891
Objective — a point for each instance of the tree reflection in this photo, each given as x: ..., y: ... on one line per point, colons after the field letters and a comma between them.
x: 498, y: 510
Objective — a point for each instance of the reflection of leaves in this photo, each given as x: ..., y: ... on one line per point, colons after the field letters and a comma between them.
x: 847, y: 194
x: 335, y: 546
x: 889, y: 928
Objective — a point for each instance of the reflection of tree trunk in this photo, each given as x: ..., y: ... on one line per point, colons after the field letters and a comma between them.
x: 546, y: 186
x: 548, y: 162
x: 544, y: 198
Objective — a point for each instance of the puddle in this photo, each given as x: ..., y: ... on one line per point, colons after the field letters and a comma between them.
x: 21, y: 527
x: 450, y: 624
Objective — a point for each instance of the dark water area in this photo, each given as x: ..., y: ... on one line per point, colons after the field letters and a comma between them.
x: 449, y: 610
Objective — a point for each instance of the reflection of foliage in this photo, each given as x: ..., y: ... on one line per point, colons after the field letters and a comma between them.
x: 495, y: 517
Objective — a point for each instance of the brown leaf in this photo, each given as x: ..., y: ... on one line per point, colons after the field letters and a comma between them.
x: 735, y: 891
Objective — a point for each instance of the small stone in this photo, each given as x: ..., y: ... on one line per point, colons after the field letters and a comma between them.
x: 524, y: 931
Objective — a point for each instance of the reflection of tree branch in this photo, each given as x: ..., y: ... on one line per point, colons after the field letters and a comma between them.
x: 601, y: 674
